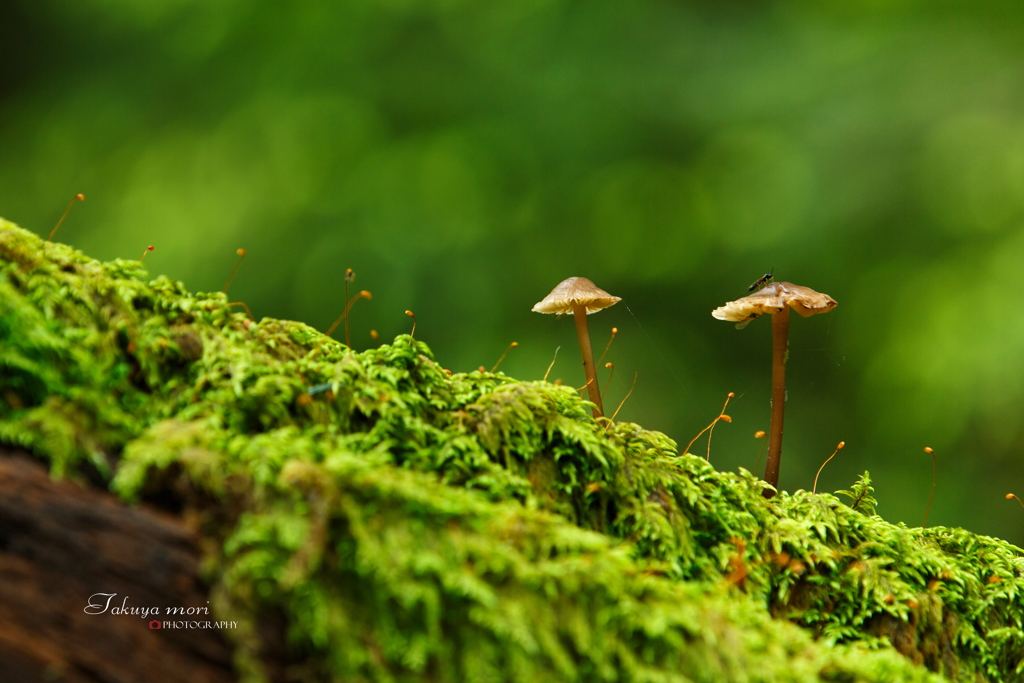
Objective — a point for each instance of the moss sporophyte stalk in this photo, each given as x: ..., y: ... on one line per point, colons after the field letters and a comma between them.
x: 414, y: 525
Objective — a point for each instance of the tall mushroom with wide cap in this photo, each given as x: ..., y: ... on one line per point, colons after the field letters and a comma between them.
x: 581, y: 297
x: 776, y: 299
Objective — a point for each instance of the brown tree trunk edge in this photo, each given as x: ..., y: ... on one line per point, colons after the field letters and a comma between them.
x: 60, y: 544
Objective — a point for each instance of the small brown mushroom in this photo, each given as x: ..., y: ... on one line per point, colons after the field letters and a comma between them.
x: 776, y: 299
x: 581, y: 297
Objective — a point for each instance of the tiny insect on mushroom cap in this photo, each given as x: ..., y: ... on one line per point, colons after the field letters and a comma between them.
x: 773, y: 299
x: 581, y: 297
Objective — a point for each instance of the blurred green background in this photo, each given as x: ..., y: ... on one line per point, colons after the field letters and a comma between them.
x: 464, y: 157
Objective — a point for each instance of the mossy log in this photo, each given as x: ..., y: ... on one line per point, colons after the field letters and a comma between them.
x: 372, y: 517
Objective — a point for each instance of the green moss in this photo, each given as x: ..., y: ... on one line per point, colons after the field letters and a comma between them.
x: 411, y: 524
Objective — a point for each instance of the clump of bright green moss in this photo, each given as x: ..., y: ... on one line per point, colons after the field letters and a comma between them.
x: 409, y: 524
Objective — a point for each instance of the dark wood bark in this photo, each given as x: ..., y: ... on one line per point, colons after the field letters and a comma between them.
x: 61, y: 543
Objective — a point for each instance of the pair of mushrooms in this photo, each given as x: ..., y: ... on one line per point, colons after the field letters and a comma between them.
x: 581, y: 297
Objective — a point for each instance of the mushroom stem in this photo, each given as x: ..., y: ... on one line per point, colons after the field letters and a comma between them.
x: 580, y: 314
x: 780, y: 337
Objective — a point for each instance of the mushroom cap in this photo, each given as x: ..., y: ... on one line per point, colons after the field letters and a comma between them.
x: 772, y: 299
x: 576, y: 290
